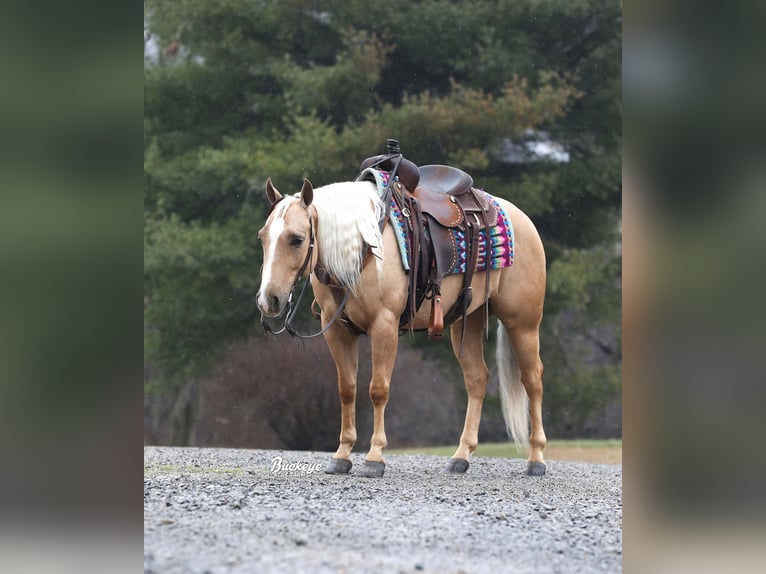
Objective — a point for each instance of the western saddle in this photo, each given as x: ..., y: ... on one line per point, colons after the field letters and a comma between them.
x: 435, y: 199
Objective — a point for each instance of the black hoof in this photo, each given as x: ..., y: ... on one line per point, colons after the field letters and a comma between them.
x: 338, y: 466
x: 372, y: 469
x: 457, y: 465
x: 536, y: 469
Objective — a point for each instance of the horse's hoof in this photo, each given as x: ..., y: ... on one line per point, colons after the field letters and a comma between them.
x: 338, y: 466
x: 373, y: 469
x: 536, y: 469
x: 457, y: 465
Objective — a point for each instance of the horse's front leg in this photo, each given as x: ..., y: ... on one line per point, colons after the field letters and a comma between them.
x: 344, y: 349
x: 384, y: 340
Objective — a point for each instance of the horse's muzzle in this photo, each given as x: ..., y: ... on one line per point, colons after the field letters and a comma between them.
x: 270, y: 305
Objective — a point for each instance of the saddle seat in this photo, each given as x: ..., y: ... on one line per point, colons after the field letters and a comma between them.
x: 448, y: 196
x: 444, y: 179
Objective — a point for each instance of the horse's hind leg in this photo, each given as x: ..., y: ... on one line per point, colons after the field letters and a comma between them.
x: 475, y: 375
x: 344, y: 349
x: 384, y: 341
x: 526, y: 345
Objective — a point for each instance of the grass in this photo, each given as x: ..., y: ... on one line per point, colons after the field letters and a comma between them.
x: 508, y: 450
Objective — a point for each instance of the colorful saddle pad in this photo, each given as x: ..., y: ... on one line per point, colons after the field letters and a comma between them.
x: 501, y: 235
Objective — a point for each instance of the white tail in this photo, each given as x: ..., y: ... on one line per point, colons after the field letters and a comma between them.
x: 513, y: 396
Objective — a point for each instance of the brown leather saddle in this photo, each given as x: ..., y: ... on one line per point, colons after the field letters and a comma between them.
x: 435, y: 199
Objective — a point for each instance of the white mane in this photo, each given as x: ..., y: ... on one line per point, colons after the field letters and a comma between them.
x: 348, y: 215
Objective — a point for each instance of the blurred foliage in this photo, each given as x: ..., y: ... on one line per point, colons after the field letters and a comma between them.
x: 237, y: 91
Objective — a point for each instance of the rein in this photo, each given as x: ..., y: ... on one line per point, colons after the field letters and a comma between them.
x: 292, y: 308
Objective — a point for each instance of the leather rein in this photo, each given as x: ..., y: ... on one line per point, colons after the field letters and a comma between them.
x: 291, y: 309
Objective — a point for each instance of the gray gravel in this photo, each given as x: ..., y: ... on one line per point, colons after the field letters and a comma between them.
x: 225, y: 510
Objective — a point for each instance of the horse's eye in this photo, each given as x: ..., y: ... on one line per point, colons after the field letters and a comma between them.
x: 296, y: 241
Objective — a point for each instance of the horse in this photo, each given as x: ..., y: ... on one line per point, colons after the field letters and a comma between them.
x: 329, y: 227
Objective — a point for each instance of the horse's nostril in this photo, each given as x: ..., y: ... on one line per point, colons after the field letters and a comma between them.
x: 274, y: 302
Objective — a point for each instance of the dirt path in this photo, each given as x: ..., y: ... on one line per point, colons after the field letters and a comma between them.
x: 216, y: 511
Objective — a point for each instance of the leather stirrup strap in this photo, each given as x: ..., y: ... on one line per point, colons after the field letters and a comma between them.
x: 483, y: 221
x: 467, y: 297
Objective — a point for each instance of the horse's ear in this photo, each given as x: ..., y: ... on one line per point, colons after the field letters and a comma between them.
x: 307, y: 193
x: 271, y: 192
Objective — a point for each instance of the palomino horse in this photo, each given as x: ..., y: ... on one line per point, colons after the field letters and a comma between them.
x: 332, y: 225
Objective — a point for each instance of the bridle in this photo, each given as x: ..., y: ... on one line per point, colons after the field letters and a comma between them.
x: 291, y: 309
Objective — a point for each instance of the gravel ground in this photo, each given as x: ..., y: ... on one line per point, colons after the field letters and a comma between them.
x: 225, y: 510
